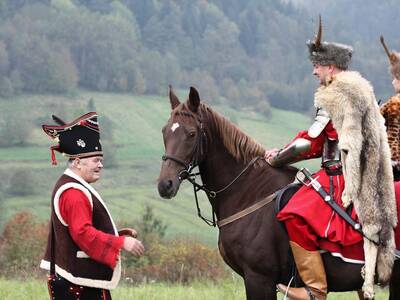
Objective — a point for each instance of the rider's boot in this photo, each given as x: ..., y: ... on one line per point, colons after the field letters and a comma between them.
x: 312, y: 272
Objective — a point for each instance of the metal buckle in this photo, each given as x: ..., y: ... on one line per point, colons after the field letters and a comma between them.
x: 184, y: 174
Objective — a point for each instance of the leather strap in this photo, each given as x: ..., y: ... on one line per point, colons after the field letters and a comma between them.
x: 246, y: 211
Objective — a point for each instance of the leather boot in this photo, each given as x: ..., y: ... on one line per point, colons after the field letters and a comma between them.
x: 312, y: 272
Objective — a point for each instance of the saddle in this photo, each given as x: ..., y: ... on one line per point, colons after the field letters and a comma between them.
x: 284, y: 195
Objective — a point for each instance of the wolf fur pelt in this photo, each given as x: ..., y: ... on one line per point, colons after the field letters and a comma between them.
x: 350, y: 102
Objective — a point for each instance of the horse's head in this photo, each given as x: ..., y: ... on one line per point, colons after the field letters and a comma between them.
x: 183, y: 141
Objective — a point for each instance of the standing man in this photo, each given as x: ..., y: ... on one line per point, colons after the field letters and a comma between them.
x: 391, y: 111
x: 349, y: 134
x: 83, y: 248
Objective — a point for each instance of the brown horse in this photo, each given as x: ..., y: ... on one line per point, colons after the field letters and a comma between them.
x: 256, y: 245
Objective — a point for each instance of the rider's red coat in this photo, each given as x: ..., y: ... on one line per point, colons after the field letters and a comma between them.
x: 311, y: 222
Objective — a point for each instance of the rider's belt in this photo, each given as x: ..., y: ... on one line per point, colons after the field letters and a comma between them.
x: 331, y: 157
x: 333, y: 168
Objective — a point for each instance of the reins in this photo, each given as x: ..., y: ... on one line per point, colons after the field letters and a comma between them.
x: 191, y: 177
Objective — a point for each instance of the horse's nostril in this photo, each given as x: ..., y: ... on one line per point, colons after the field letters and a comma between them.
x: 165, y: 187
x: 169, y: 184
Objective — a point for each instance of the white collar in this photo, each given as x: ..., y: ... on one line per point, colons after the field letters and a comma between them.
x: 72, y: 174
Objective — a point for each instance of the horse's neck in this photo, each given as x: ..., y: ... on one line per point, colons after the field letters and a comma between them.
x: 218, y: 170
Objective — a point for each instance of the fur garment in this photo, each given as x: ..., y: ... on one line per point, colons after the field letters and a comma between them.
x: 391, y: 112
x: 394, y: 58
x: 351, y: 104
x: 395, y: 66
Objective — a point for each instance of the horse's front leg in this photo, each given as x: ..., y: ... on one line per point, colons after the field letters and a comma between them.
x: 259, y: 287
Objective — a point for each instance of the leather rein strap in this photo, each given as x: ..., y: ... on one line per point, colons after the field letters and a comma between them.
x: 246, y: 211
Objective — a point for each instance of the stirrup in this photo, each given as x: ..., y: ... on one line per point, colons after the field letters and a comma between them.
x: 311, y: 295
x: 308, y: 290
x: 285, y: 297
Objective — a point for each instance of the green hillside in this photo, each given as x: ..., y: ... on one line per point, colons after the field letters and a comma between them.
x: 136, y: 124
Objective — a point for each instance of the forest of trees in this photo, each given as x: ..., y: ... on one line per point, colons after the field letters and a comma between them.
x: 248, y: 53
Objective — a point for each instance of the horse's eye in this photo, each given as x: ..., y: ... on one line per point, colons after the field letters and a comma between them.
x: 192, y: 133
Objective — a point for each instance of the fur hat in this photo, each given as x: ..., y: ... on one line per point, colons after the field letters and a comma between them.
x: 325, y: 53
x: 394, y: 59
x: 79, y: 138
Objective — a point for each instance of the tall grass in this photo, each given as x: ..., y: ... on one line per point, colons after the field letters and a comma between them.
x: 230, y: 289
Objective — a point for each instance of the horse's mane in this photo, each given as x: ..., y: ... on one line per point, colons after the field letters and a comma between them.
x: 237, y: 143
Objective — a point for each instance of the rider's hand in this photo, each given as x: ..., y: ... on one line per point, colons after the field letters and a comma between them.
x: 133, y: 246
x: 128, y: 232
x: 270, y: 154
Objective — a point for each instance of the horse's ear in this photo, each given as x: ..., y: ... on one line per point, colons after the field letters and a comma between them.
x: 194, y: 99
x: 173, y: 99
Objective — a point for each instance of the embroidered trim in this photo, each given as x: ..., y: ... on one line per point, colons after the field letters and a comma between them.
x: 101, y: 284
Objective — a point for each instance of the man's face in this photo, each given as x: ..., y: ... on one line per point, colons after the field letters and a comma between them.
x: 396, y: 84
x: 324, y: 73
x: 90, y: 168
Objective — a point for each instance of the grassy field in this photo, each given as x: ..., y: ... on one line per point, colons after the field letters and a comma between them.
x: 136, y: 125
x: 231, y: 289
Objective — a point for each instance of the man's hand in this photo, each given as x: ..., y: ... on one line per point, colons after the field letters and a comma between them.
x: 133, y: 246
x: 128, y: 232
x: 270, y: 153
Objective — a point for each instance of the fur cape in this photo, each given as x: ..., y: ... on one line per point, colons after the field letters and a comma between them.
x: 391, y: 112
x: 351, y: 104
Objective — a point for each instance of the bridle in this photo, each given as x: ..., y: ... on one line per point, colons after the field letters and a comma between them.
x: 197, y: 155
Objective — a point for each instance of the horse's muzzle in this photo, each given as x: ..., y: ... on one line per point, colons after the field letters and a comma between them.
x: 167, y: 188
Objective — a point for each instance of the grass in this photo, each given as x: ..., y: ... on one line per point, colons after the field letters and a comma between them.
x: 230, y: 289
x: 136, y: 125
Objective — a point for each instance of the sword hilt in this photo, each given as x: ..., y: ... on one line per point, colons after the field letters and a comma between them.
x: 313, y: 182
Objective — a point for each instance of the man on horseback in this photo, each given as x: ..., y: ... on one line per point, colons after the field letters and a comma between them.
x: 349, y: 135
x: 391, y: 112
